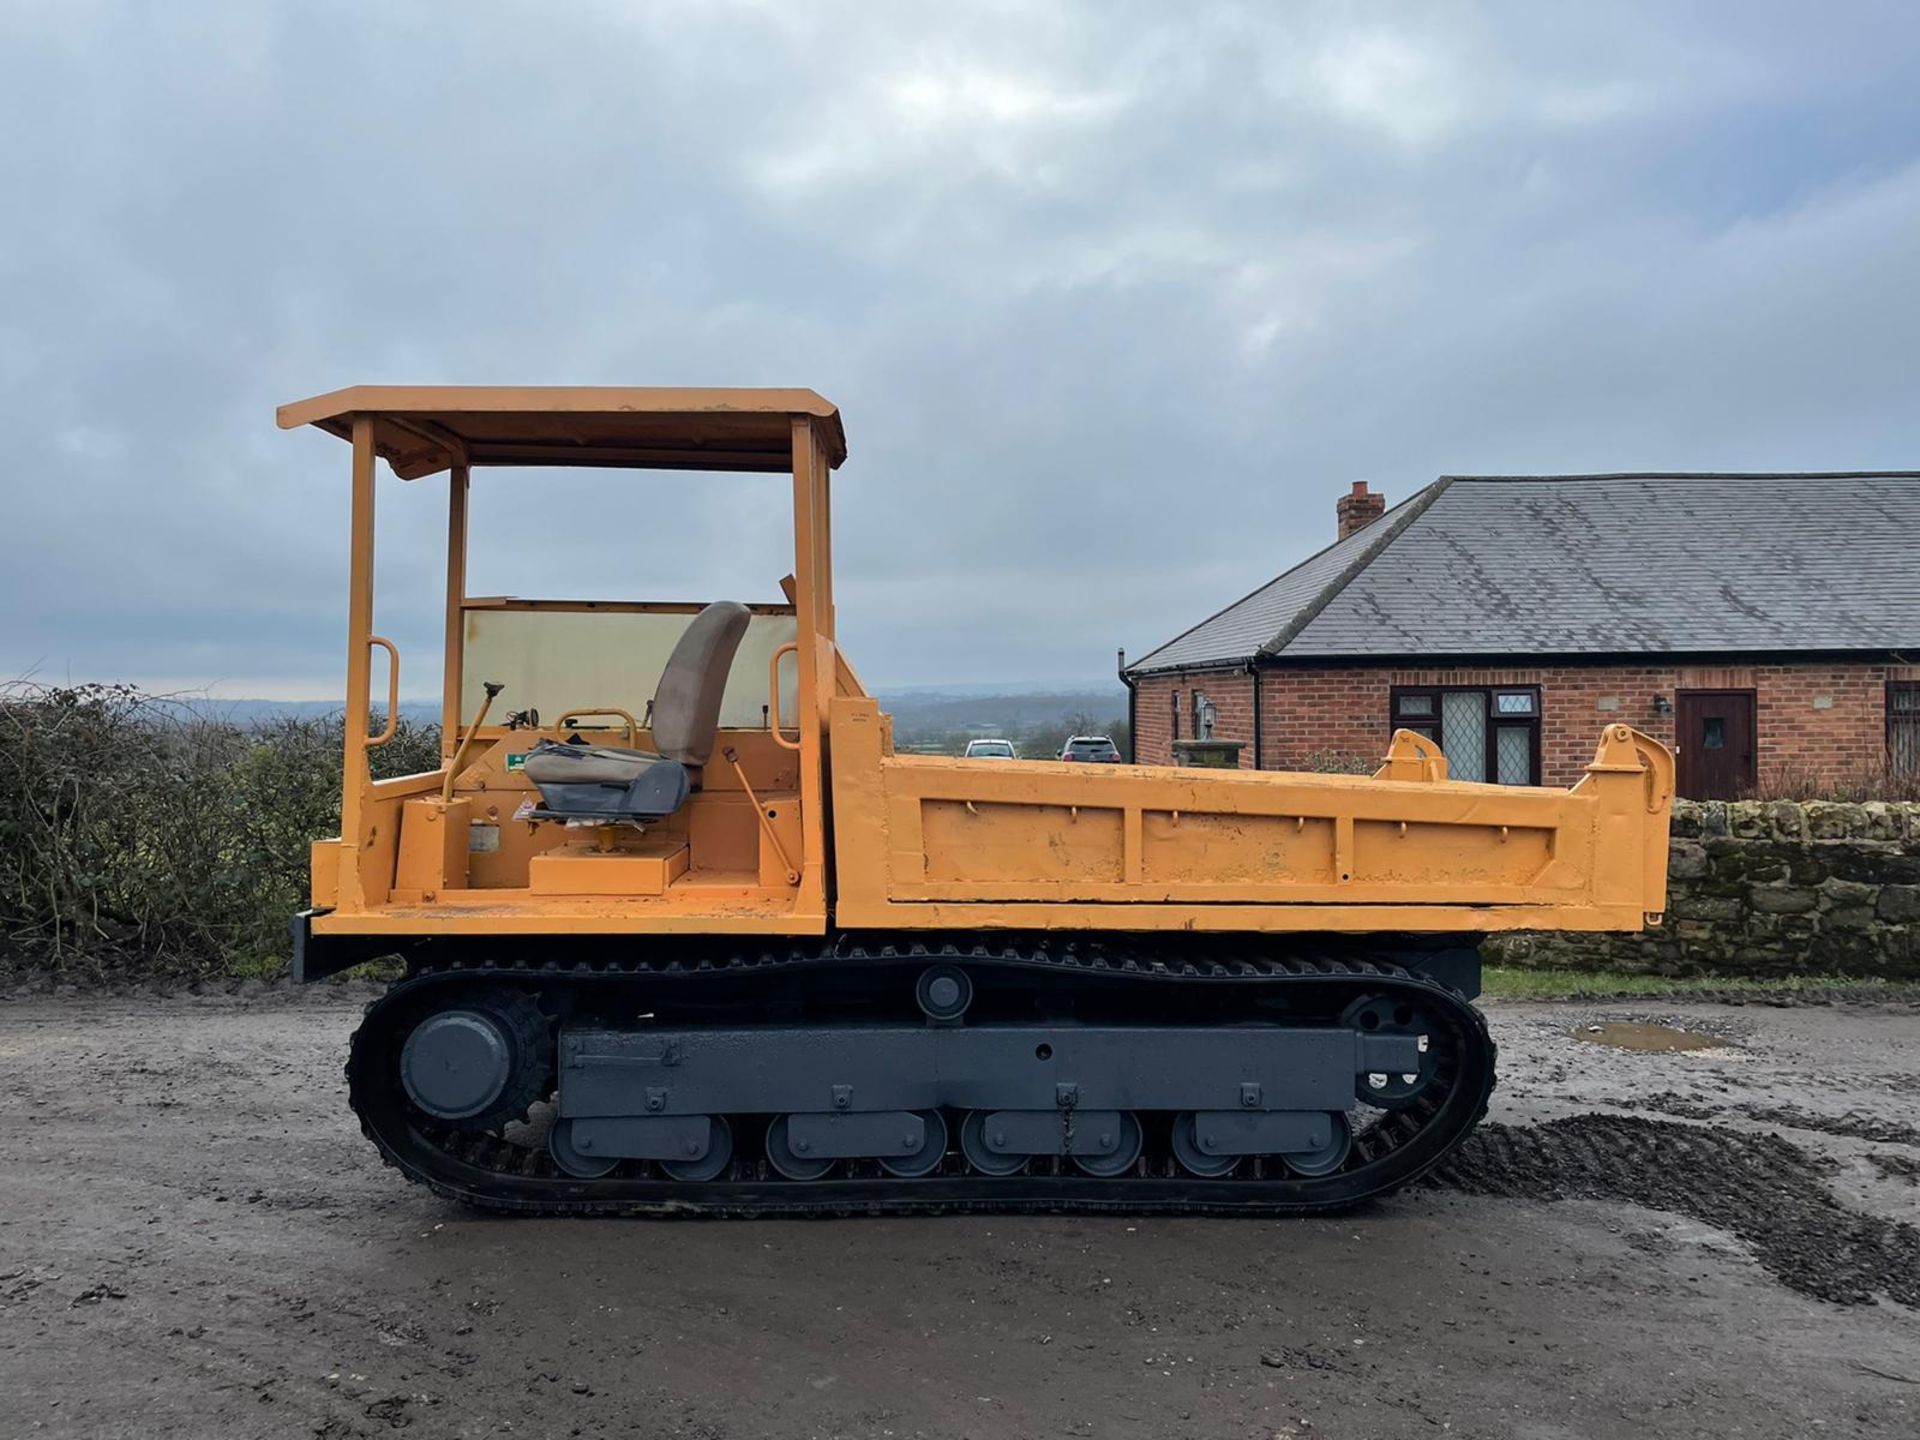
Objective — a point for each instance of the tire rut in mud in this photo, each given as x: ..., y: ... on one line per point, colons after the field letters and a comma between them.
x: 1851, y: 1126
x: 1766, y: 1191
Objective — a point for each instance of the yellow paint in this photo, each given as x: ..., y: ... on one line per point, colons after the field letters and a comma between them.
x: 323, y: 873
x: 913, y: 842
x: 648, y: 868
x: 1051, y: 844
x: 433, y: 846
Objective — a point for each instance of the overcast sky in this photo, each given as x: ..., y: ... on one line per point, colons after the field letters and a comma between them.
x: 1115, y: 299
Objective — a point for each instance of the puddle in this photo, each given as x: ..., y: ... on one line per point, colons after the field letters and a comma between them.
x: 1636, y: 1035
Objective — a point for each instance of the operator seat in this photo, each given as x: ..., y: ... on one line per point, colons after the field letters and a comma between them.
x: 609, y: 783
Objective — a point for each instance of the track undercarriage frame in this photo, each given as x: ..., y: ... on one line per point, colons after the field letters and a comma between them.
x: 884, y: 1074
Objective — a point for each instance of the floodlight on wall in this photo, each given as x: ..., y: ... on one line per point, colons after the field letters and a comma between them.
x: 1662, y: 705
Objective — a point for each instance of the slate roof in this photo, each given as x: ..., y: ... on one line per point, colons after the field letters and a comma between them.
x: 1595, y: 565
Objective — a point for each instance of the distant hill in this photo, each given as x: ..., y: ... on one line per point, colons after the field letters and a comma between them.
x: 919, y: 712
x: 247, y: 712
x: 929, y: 713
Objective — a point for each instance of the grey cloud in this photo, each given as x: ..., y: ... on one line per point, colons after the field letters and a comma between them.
x: 1115, y: 297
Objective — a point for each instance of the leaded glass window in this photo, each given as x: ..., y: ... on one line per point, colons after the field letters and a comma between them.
x: 1486, y: 733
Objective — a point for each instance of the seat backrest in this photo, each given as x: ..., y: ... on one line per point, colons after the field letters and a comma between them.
x: 686, y: 706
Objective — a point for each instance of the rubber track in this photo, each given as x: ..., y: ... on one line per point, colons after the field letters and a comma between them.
x: 489, y: 1173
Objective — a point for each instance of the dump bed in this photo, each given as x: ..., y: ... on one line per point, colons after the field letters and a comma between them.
x: 925, y: 840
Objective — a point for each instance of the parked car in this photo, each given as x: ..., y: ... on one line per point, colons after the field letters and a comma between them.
x: 1090, y: 747
x: 990, y: 750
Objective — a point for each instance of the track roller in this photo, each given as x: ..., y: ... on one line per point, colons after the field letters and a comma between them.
x: 1329, y: 1157
x: 927, y: 1158
x: 1194, y: 1160
x: 943, y: 993
x: 984, y: 1159
x: 1125, y: 1153
x: 710, y: 1165
x: 788, y: 1161
x: 571, y: 1159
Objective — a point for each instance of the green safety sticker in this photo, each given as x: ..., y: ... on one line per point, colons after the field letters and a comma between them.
x: 516, y: 760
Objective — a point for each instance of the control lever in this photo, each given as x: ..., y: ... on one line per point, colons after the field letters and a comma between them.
x: 493, y: 688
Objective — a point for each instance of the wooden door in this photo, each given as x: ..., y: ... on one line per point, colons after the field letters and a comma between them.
x: 1714, y: 730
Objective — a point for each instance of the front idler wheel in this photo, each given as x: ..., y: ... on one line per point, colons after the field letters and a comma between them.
x: 1400, y: 1090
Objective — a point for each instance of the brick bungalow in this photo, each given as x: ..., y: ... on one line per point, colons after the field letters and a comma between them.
x: 1769, y: 625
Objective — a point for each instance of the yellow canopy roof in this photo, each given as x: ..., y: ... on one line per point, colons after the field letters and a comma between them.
x: 422, y: 429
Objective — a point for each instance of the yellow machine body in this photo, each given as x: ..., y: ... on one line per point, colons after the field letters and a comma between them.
x: 817, y: 823
x: 794, y: 971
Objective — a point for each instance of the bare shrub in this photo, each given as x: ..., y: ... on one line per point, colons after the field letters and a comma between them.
x: 1340, y: 762
x: 142, y: 834
x: 1798, y: 780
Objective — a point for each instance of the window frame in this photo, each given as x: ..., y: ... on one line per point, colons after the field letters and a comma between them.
x: 1897, y: 720
x: 1534, y: 722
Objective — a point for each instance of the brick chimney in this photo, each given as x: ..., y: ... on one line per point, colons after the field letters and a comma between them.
x: 1358, y: 510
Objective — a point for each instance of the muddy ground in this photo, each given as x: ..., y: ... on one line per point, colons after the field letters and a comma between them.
x: 195, y: 1241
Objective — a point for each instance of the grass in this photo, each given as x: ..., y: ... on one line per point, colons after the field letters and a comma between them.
x: 1501, y: 982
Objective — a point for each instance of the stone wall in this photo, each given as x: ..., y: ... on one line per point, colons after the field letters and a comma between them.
x: 1767, y: 888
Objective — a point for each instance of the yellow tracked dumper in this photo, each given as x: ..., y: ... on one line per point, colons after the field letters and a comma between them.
x: 683, y: 932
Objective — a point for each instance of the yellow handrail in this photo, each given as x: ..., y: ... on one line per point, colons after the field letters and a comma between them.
x: 773, y: 683
x: 633, y: 726
x: 393, y: 691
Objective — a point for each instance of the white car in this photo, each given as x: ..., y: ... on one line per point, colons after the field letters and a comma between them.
x: 990, y: 750
x: 1091, y: 748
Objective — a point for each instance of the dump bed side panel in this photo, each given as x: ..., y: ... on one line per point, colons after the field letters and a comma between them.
x: 960, y: 841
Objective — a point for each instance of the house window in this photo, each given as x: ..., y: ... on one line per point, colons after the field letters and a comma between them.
x: 1487, y: 734
x: 1903, y: 727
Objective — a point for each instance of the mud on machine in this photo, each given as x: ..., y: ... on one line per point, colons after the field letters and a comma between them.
x: 683, y: 932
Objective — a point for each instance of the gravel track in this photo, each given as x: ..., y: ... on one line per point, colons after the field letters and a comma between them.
x: 195, y: 1241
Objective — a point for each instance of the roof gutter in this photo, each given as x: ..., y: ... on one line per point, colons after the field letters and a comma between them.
x: 1231, y: 666
x: 1534, y: 659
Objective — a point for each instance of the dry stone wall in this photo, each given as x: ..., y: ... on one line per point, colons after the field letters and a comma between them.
x: 1767, y: 888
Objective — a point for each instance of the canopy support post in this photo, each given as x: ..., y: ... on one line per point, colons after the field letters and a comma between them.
x: 355, y: 771
x: 453, y: 674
